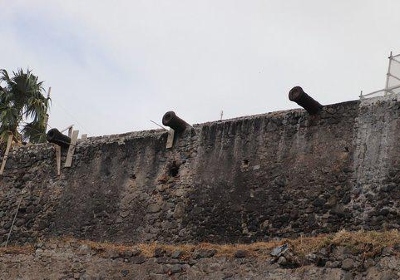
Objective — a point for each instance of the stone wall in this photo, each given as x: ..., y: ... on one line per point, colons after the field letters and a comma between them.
x: 71, y: 259
x: 280, y: 174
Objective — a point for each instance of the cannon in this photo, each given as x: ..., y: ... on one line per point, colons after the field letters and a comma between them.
x: 298, y: 95
x: 56, y: 137
x: 173, y: 121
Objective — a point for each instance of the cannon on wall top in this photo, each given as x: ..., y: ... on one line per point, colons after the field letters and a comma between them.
x: 298, y: 95
x: 173, y: 121
x: 56, y: 137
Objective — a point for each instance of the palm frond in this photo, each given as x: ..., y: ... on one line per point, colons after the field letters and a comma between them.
x: 34, y: 132
x: 23, y: 105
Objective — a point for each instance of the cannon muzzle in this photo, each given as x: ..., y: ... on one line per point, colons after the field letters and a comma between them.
x: 298, y: 95
x: 173, y: 121
x: 56, y: 137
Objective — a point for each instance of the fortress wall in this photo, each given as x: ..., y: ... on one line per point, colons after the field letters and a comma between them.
x: 254, y: 178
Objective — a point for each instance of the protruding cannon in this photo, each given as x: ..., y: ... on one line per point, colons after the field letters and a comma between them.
x: 56, y: 137
x: 173, y: 121
x: 298, y: 95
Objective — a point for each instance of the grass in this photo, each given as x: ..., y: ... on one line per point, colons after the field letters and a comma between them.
x: 17, y: 250
x: 365, y: 242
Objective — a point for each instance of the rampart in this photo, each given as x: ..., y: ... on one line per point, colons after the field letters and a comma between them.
x: 280, y: 174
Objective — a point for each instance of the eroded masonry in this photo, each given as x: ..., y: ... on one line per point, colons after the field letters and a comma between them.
x: 255, y: 178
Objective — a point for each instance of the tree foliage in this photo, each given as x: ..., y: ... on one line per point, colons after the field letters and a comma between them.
x: 23, y: 107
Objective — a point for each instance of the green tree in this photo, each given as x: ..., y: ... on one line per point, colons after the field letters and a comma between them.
x: 23, y: 107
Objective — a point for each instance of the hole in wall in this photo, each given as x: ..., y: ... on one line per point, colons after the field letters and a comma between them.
x: 173, y: 169
x: 245, y: 163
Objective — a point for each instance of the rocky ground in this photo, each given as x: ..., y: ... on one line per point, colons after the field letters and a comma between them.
x: 361, y: 255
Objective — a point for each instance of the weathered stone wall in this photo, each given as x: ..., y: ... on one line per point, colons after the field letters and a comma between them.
x: 71, y: 259
x: 280, y: 174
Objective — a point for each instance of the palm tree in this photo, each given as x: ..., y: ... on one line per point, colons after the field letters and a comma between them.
x: 23, y: 107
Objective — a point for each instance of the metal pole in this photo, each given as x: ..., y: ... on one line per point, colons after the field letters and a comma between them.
x: 382, y: 90
x: 388, y: 73
x: 159, y: 125
x: 12, y: 224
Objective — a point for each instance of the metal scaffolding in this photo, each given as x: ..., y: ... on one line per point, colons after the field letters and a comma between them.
x: 392, y: 85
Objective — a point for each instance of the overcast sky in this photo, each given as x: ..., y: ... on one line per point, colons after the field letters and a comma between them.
x: 115, y: 65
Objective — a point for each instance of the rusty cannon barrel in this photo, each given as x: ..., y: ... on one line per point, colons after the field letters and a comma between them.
x: 56, y: 137
x: 298, y: 95
x: 173, y: 121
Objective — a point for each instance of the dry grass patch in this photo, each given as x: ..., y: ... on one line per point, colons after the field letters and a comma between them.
x: 17, y: 250
x: 366, y: 242
x: 358, y: 242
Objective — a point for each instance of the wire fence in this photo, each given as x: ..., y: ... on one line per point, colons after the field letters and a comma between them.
x: 392, y: 85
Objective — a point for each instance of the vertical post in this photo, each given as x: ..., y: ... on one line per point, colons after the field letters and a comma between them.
x: 71, y: 149
x: 388, y: 73
x: 45, y: 121
x: 58, y: 158
x: 70, y: 131
x: 170, y: 139
x: 46, y: 118
x: 3, y: 164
